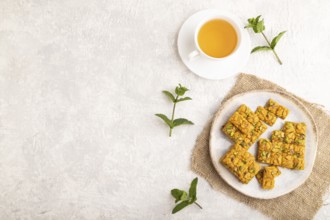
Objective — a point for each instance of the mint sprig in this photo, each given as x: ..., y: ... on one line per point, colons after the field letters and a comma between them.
x: 172, y: 123
x: 184, y: 198
x: 258, y: 26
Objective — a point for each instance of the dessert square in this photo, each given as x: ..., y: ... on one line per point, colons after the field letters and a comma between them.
x: 241, y: 123
x: 259, y: 128
x: 236, y: 135
x: 277, y: 109
x: 278, y: 136
x: 248, y: 114
x: 295, y: 133
x: 269, y: 152
x: 244, y: 127
x: 232, y: 132
x: 293, y: 156
x: 266, y: 116
x: 270, y: 173
x: 241, y: 163
x: 268, y: 178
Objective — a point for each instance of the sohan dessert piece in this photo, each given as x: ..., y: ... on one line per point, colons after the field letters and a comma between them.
x: 287, y: 148
x: 278, y: 136
x: 244, y: 120
x: 296, y: 127
x: 248, y: 114
x: 289, y: 127
x: 236, y: 135
x: 277, y: 109
x: 241, y: 123
x: 232, y: 132
x: 300, y: 128
x: 273, y: 170
x: 293, y: 156
x: 258, y: 130
x: 253, y: 119
x: 295, y: 133
x: 268, y: 178
x: 289, y: 138
x: 266, y: 116
x: 241, y: 163
x: 289, y: 132
x: 244, y: 140
x: 300, y: 139
x: 269, y: 152
x: 290, y: 156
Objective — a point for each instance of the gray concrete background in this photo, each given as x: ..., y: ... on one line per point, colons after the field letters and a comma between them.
x: 81, y: 80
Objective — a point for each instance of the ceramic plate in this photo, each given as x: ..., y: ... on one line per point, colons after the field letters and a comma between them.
x: 289, y: 180
x: 204, y: 67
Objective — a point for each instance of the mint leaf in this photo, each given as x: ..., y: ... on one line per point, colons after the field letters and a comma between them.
x: 260, y: 48
x: 251, y: 21
x: 184, y: 99
x: 257, y: 24
x: 193, y: 190
x: 259, y: 27
x: 180, y: 206
x: 166, y: 120
x: 276, y: 39
x: 184, y: 196
x: 180, y: 90
x: 181, y: 121
x: 257, y: 19
x: 169, y: 95
x: 177, y: 194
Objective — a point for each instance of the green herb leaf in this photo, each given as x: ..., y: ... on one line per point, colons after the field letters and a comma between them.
x: 180, y: 90
x: 192, y: 190
x: 257, y: 24
x: 259, y: 27
x: 180, y: 206
x: 184, y: 196
x: 251, y: 21
x: 177, y: 194
x: 257, y: 18
x: 181, y: 121
x: 260, y: 48
x: 276, y: 39
x: 170, y: 95
x: 166, y: 120
x: 184, y: 99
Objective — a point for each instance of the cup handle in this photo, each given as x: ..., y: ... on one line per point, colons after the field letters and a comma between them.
x: 193, y: 55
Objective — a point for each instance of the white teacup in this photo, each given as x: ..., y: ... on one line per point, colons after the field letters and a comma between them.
x: 226, y: 17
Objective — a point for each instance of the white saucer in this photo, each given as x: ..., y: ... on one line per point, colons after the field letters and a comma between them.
x: 206, y: 68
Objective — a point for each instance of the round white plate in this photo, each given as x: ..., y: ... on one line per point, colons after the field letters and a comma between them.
x: 202, y: 66
x: 220, y: 144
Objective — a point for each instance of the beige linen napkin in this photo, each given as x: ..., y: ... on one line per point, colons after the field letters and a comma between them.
x: 302, y: 203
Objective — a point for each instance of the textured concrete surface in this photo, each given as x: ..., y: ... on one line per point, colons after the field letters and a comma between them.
x: 81, y: 80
